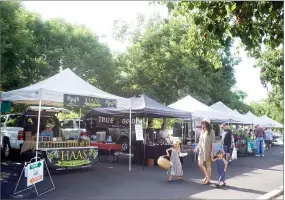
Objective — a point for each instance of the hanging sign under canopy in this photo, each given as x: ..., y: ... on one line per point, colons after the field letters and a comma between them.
x: 114, y: 122
x: 85, y: 101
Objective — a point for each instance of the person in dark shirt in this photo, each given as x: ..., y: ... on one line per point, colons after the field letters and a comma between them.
x: 149, y: 133
x: 227, y: 142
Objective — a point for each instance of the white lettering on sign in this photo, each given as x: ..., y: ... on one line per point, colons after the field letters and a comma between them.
x: 112, y: 120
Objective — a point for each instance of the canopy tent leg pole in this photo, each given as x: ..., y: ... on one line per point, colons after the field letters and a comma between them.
x: 130, y: 137
x: 39, y: 121
x: 195, y: 131
x: 182, y: 132
x: 144, y: 143
x: 79, y: 120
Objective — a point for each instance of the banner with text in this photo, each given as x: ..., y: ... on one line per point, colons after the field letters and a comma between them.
x: 76, y: 157
x: 114, y: 122
x: 84, y: 101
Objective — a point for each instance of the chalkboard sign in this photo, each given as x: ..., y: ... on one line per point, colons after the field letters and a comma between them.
x: 84, y: 101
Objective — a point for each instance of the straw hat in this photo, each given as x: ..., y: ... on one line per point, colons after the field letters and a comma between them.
x: 206, y: 120
x: 49, y: 125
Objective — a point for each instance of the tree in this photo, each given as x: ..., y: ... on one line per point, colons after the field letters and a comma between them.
x: 15, y: 41
x: 269, y: 109
x: 33, y: 49
x: 271, y: 63
x: 169, y: 59
x: 254, y: 22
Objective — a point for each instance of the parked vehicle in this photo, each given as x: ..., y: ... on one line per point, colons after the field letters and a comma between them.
x: 71, y: 130
x: 14, y: 126
x: 119, y: 135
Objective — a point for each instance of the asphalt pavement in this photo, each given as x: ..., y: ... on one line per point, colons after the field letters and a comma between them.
x: 247, y: 178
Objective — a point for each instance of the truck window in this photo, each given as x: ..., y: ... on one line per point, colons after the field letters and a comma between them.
x: 82, y: 124
x: 68, y: 124
x: 13, y: 121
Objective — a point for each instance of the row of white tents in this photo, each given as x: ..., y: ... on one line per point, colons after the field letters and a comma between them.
x: 51, y: 91
x: 219, y: 112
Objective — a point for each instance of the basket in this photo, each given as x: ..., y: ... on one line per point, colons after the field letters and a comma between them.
x: 163, y: 162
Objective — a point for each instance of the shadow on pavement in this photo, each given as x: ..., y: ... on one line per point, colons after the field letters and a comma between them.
x: 114, y: 181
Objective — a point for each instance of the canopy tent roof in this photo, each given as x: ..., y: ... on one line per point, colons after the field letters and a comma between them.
x: 254, y: 119
x: 271, y: 122
x: 142, y: 106
x: 233, y: 116
x: 52, y: 90
x: 189, y: 104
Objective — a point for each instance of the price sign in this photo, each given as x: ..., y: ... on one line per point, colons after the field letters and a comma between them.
x: 35, y: 172
x: 139, y: 132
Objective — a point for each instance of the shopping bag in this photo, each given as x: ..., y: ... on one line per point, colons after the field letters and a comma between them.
x: 234, y: 154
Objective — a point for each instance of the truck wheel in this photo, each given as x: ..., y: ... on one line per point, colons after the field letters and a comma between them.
x: 7, y: 151
x: 125, y: 145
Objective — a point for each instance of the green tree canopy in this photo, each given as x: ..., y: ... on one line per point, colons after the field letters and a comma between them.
x: 33, y: 49
x: 169, y: 59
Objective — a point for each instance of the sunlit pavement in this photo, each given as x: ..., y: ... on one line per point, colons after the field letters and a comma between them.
x: 247, y: 178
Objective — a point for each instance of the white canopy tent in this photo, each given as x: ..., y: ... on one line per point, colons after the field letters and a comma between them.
x: 271, y: 122
x: 233, y: 116
x: 254, y: 119
x: 245, y: 117
x: 189, y: 104
x: 50, y: 92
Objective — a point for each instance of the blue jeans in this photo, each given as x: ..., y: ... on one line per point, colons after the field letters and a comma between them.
x: 259, y: 146
x: 221, y: 176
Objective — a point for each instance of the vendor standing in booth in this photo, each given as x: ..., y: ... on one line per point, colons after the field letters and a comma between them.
x: 163, y: 133
x: 149, y: 133
x: 48, y: 132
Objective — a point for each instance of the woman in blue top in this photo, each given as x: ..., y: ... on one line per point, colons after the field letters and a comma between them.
x: 48, y: 132
x: 221, y: 168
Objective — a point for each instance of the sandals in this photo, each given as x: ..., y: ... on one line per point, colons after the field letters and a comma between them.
x: 180, y: 178
x: 205, y: 181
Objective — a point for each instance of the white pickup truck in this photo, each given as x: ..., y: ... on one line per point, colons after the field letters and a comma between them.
x: 13, y: 126
x: 71, y: 130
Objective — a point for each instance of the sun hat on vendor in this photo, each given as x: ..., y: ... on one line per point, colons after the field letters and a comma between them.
x: 206, y: 120
x: 223, y: 124
x: 49, y: 125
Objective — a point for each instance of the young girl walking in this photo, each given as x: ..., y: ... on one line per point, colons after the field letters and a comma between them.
x: 221, y: 168
x: 176, y: 167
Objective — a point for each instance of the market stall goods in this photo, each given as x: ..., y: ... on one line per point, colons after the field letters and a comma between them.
x: 111, y: 148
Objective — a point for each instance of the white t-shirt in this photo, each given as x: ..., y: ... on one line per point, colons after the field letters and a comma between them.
x: 163, y: 133
x: 268, y: 135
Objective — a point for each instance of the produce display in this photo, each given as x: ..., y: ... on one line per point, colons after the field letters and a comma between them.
x: 64, y: 144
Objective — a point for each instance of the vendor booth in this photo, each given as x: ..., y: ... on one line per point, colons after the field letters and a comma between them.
x: 64, y: 88
x: 143, y: 107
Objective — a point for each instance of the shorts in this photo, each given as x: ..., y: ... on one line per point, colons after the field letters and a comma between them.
x: 227, y: 149
x: 268, y: 142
